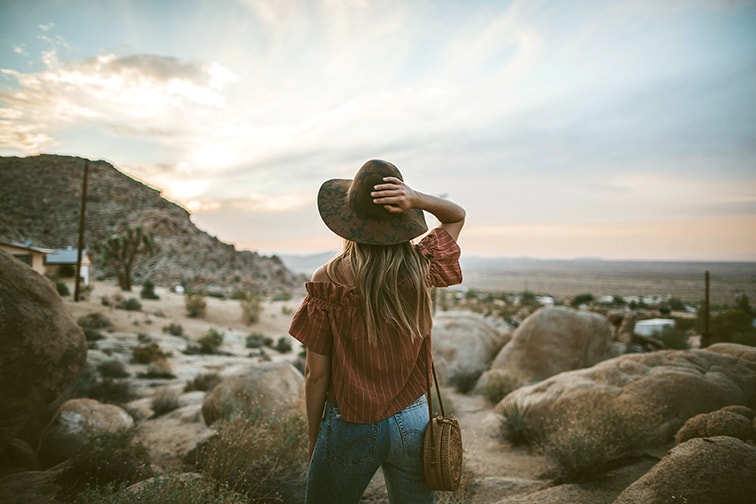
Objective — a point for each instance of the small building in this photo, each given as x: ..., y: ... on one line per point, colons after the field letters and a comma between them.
x: 24, y: 252
x: 649, y: 327
x: 62, y: 263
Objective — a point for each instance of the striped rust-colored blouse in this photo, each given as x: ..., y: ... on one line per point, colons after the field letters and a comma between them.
x: 370, y: 384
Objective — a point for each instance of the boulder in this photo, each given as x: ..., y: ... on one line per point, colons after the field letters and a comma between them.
x: 463, y: 347
x: 43, y: 347
x: 272, y: 387
x: 733, y: 349
x: 76, y: 422
x: 716, y: 423
x: 702, y: 470
x: 652, y: 392
x: 553, y: 340
x: 740, y: 410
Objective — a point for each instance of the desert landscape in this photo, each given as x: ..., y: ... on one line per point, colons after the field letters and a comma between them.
x: 497, y: 468
x: 188, y: 389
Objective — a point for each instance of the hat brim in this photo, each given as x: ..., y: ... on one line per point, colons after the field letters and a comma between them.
x: 340, y: 218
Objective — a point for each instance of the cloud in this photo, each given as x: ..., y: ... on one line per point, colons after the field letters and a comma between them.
x: 148, y: 95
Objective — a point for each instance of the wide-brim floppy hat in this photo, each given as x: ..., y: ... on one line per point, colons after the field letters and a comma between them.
x: 346, y: 207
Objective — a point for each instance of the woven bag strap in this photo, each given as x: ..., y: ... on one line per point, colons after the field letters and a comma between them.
x: 438, y: 390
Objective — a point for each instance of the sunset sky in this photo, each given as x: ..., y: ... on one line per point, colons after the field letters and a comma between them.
x: 611, y: 129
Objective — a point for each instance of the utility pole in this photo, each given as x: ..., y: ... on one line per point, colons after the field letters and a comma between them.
x: 82, y: 220
x: 705, y: 335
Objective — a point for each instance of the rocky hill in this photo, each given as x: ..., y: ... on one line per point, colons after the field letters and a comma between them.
x: 41, y: 198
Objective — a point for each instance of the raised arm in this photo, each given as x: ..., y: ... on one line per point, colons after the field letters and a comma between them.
x: 396, y: 197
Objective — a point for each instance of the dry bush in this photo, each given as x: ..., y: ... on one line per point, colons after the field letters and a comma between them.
x: 168, y: 489
x: 144, y: 354
x: 208, y: 344
x: 261, y: 456
x: 164, y: 401
x: 497, y: 384
x: 589, y: 440
x: 195, y: 304
x: 513, y: 427
x: 204, y: 382
x: 159, y: 368
x: 112, y: 459
x: 251, y: 306
x: 112, y: 369
x: 94, y: 321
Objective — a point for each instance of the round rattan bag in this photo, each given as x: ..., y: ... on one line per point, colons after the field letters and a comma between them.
x: 442, y: 454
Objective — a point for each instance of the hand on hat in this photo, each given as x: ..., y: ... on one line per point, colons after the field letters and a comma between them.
x: 394, y: 195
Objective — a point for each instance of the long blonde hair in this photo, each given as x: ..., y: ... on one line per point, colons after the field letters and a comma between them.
x: 393, y: 287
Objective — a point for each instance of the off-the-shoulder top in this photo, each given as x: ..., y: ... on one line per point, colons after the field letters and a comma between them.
x: 372, y: 383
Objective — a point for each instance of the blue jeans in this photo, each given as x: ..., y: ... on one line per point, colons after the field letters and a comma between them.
x: 347, y: 455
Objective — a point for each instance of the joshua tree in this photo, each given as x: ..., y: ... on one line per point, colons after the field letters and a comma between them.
x: 120, y: 250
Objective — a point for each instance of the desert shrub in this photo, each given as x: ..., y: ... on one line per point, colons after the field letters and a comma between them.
x: 257, y: 340
x: 113, y: 459
x: 208, y: 344
x: 735, y: 325
x: 174, y: 329
x: 585, y: 441
x: 251, y: 306
x: 257, y: 454
x: 148, y: 290
x: 112, y: 369
x: 195, y: 304
x: 62, y: 288
x: 168, y: 489
x: 513, y: 427
x: 674, y: 337
x: 581, y: 299
x: 498, y: 384
x: 465, y: 382
x: 130, y: 304
x: 150, y: 352
x: 94, y: 321
x: 204, y: 382
x: 283, y: 345
x: 164, y: 401
x: 109, y: 391
x: 159, y: 368
x: 237, y: 294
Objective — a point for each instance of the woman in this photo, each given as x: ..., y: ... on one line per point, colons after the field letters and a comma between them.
x: 366, y: 322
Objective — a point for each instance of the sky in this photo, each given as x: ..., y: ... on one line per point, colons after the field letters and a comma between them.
x: 567, y: 129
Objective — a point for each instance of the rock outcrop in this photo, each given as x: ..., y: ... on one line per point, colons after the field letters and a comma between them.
x: 272, y: 387
x: 76, y: 422
x: 703, y: 470
x: 464, y: 346
x: 43, y: 349
x: 553, y: 340
x: 717, y: 423
x: 655, y: 392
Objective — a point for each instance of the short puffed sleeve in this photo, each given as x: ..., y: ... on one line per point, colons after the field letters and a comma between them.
x: 443, y: 256
x: 311, y: 325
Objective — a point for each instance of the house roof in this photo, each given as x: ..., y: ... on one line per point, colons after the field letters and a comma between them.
x: 22, y: 246
x: 64, y: 256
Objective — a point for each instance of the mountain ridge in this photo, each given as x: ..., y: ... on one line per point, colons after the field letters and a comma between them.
x: 41, y: 203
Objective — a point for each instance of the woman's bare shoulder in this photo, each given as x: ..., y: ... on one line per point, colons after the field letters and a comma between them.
x: 321, y: 275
